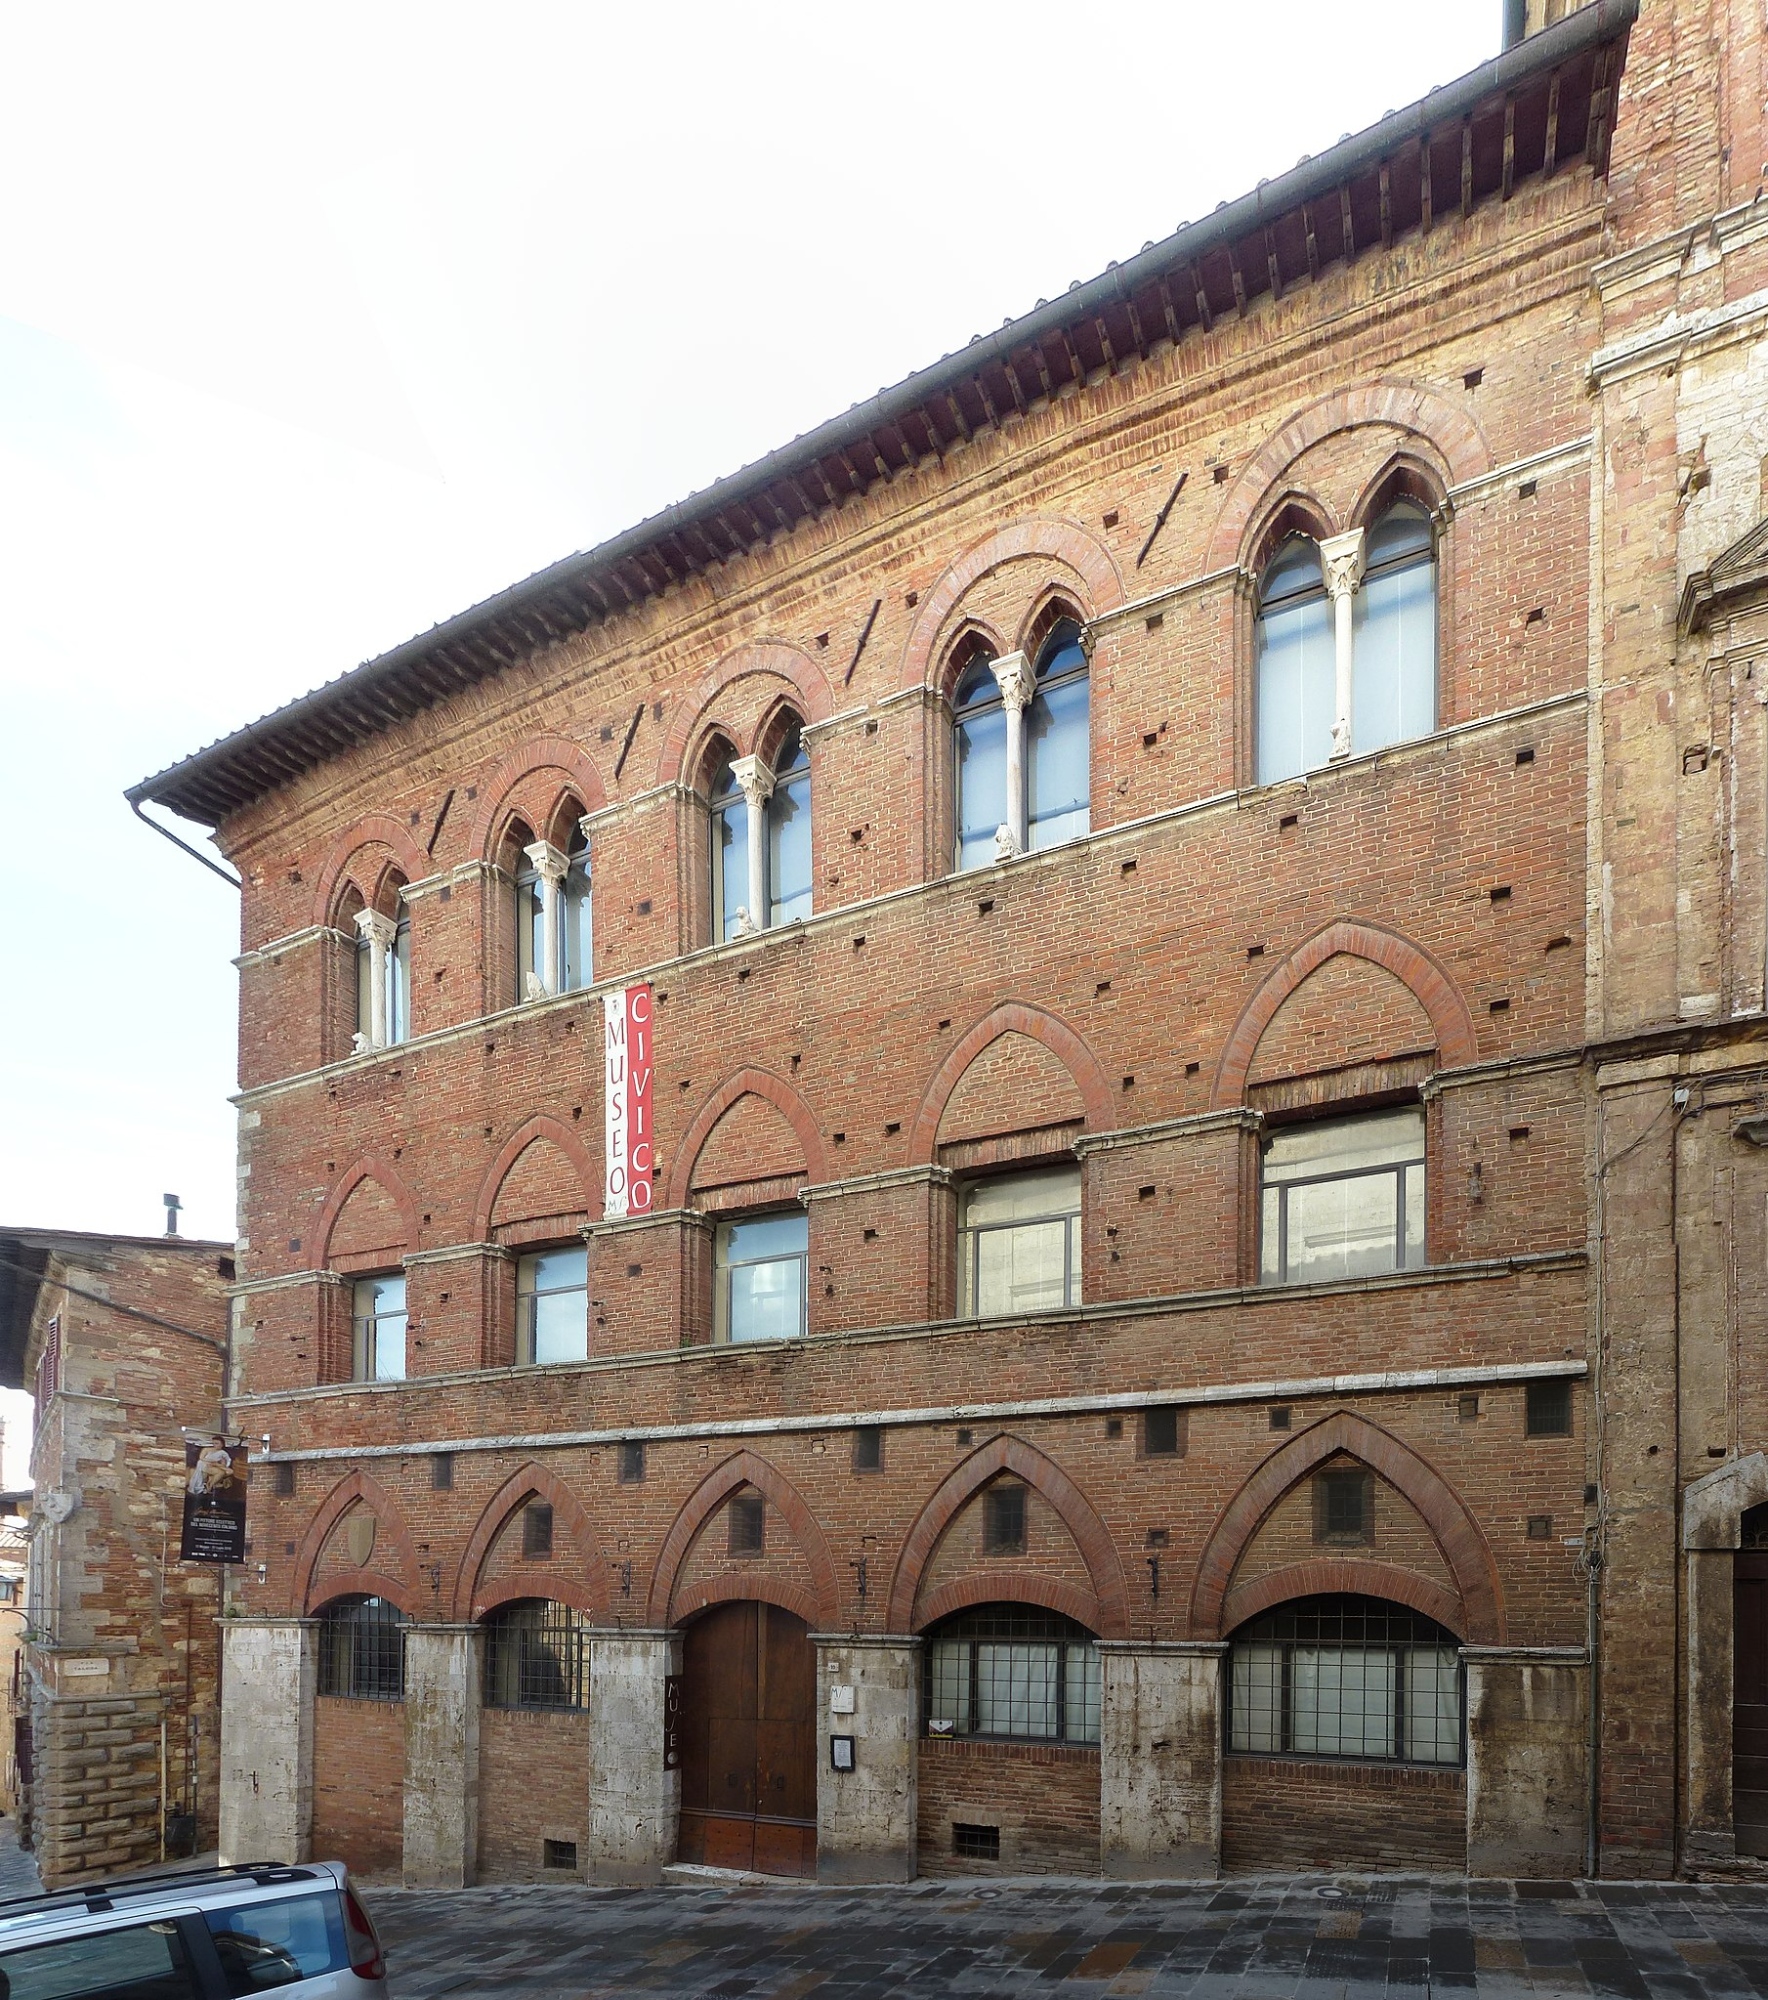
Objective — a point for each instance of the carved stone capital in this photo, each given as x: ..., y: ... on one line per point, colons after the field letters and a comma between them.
x: 1013, y: 676
x: 1341, y: 557
x: 376, y: 928
x: 549, y: 862
x: 754, y: 779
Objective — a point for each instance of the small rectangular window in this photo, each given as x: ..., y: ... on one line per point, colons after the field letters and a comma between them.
x: 976, y: 1843
x: 1003, y: 1521
x: 558, y: 1854
x: 379, y: 1321
x: 1549, y: 1409
x: 1019, y: 1244
x: 442, y: 1471
x: 1343, y: 1199
x: 759, y: 1277
x: 537, y: 1529
x: 632, y: 1464
x: 1163, y: 1432
x: 284, y: 1483
x: 748, y: 1512
x: 1468, y: 1406
x: 868, y: 1448
x: 1344, y: 1506
x: 552, y: 1306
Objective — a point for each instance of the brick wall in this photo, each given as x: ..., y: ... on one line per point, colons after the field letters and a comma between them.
x: 1280, y: 1813
x: 1044, y: 1798
x: 533, y: 1787
x: 358, y: 1783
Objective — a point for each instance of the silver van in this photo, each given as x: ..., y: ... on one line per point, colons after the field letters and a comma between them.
x: 197, y: 1934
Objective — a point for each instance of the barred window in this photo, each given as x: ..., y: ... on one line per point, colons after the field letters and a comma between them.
x: 362, y: 1649
x: 536, y: 1656
x: 1012, y: 1670
x: 1347, y: 1677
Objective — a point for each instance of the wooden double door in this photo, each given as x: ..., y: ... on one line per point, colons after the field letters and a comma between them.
x: 747, y: 1731
x: 1749, y: 1710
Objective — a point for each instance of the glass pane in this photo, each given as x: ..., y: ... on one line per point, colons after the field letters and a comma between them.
x: 730, y: 866
x: 275, y: 1944
x: 1402, y: 531
x: 558, y: 1326
x: 788, y: 852
x: 1394, y: 685
x: 399, y: 983
x: 767, y: 1300
x: 1016, y: 1689
x: 1082, y: 1694
x: 1414, y: 1257
x: 978, y: 687
x: 1019, y: 1197
x: 554, y: 1270
x: 1433, y: 1705
x: 1295, y: 572
x: 982, y: 786
x: 389, y: 1348
x: 142, y: 1962
x: 949, y: 1700
x: 578, y: 950
x: 1057, y: 759
x: 1255, y: 1698
x: 1270, y: 1246
x: 1302, y: 1152
x: 766, y: 1236
x: 1296, y: 689
x: 527, y: 931
x: 1022, y: 1268
x: 1342, y: 1229
x: 1342, y: 1701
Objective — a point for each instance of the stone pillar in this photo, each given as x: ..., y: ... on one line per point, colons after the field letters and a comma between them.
x: 380, y: 932
x: 865, y: 1818
x: 756, y: 782
x: 1012, y: 672
x: 269, y: 1668
x: 441, y: 1755
x: 551, y: 866
x: 1528, y: 1760
x: 1342, y: 558
x: 1710, y: 1833
x: 634, y: 1801
x: 1160, y: 1759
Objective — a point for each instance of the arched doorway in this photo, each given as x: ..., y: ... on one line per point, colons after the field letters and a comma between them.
x: 748, y: 1741
x: 1749, y: 1711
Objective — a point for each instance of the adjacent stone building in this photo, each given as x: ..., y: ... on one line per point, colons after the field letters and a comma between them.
x: 1172, y: 915
x: 122, y: 1342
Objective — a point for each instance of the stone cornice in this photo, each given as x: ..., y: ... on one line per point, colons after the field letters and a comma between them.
x: 1678, y: 338
x: 1237, y: 1118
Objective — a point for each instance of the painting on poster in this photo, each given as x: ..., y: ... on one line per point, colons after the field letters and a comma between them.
x: 626, y: 1086
x: 215, y: 1475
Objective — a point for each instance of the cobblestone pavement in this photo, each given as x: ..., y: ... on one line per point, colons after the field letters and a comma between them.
x: 1268, y: 1939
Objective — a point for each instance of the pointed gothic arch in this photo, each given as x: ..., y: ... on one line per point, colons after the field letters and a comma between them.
x: 396, y: 1586
x: 807, y: 691
x: 577, y: 774
x: 588, y: 1592
x: 370, y: 1167
x: 746, y: 1468
x: 1012, y: 1017
x: 746, y: 1082
x: 540, y: 1126
x: 377, y: 830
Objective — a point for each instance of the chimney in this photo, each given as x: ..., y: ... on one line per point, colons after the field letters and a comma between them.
x: 173, y: 1205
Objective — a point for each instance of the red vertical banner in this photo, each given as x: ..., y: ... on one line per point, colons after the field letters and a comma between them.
x: 626, y: 1086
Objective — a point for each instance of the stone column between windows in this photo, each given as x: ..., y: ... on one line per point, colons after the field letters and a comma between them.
x: 756, y: 783
x: 634, y: 1802
x: 380, y: 932
x: 868, y: 1689
x: 1160, y: 1758
x: 551, y: 866
x: 1527, y: 1759
x: 1012, y: 672
x: 441, y: 1755
x: 1342, y: 558
x: 269, y: 1677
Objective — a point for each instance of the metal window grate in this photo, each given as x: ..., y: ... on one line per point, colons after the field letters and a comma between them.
x: 1548, y: 1409
x: 976, y: 1843
x: 536, y: 1656
x: 1346, y: 1677
x: 537, y: 1529
x: 1163, y: 1432
x: 868, y: 1448
x: 558, y: 1854
x: 1003, y: 1521
x: 362, y: 1649
x: 1012, y: 1670
x: 748, y: 1518
x: 1344, y: 1505
x: 632, y: 1464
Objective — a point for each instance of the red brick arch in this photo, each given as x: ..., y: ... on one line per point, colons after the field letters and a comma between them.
x: 811, y: 697
x: 748, y: 1587
x: 1327, y: 1577
x: 588, y: 1592
x: 1012, y: 1017
x: 398, y: 1587
x: 1011, y: 1586
x: 1065, y: 542
x: 746, y: 1083
x: 378, y: 830
x: 1107, y: 1613
x: 540, y: 1126
x: 1479, y: 1615
x: 371, y: 1167
x: 1435, y: 991
x: 577, y: 773
x: 745, y: 1468
x: 1442, y: 432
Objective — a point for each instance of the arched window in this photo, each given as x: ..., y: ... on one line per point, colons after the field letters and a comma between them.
x: 1395, y: 627
x: 1058, y: 759
x: 399, y: 975
x: 362, y: 1649
x: 536, y: 1655
x: 383, y: 970
x: 1012, y: 1670
x: 788, y: 834
x: 730, y: 853
x: 554, y: 939
x: 576, y: 925
x: 981, y: 732
x: 1296, y: 669
x: 1349, y: 1677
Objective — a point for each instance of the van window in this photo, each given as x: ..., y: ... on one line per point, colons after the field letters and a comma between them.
x: 141, y: 1962
x: 262, y: 1945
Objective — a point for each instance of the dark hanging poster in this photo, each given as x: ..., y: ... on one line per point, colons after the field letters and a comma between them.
x: 214, y: 1502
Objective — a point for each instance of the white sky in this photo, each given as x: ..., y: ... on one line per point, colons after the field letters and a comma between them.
x: 320, y: 324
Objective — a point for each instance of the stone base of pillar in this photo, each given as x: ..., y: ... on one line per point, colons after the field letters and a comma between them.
x: 634, y: 1800
x: 267, y: 1738
x: 1527, y: 1760
x: 1160, y: 1762
x: 867, y: 1689
x: 441, y: 1755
